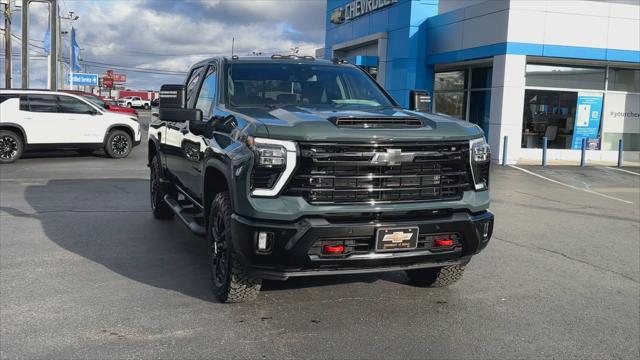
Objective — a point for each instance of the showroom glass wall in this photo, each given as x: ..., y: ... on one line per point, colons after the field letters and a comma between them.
x: 566, y: 103
x: 464, y: 93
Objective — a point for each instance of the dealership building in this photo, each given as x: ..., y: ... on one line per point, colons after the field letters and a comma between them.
x: 525, y: 70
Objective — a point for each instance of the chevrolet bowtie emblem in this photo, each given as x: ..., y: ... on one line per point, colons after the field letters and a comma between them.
x: 392, y: 157
x: 397, y: 237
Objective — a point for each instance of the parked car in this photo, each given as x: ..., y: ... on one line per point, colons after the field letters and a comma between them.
x: 36, y: 119
x: 134, y: 102
x: 104, y: 103
x: 296, y: 167
x: 155, y: 102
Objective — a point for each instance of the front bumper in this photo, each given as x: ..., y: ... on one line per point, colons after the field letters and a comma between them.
x: 289, y: 254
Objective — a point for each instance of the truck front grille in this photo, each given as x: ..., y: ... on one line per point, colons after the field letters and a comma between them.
x: 345, y: 173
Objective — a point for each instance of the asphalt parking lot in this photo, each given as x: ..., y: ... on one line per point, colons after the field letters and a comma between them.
x: 86, y: 272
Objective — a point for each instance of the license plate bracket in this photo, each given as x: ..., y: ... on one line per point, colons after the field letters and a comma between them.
x: 397, y: 239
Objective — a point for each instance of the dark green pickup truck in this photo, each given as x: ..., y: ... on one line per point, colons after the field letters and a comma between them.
x: 291, y: 166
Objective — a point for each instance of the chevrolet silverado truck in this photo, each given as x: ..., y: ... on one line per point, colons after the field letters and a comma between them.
x: 290, y: 166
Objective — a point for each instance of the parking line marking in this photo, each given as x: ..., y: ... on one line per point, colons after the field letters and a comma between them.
x: 623, y: 170
x: 570, y: 186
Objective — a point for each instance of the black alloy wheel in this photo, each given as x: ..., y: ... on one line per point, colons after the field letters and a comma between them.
x: 10, y: 147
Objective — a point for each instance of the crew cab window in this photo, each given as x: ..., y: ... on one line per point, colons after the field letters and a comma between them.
x: 40, y: 103
x: 74, y: 106
x: 192, y: 85
x: 207, y: 94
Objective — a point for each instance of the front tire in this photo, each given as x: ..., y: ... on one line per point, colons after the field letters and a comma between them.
x: 159, y: 207
x: 146, y: 106
x: 11, y: 146
x: 436, y: 277
x: 118, y: 144
x: 231, y: 281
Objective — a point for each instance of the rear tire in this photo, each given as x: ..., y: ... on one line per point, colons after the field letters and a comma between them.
x: 129, y: 105
x: 146, y: 106
x: 11, y: 146
x: 118, y: 145
x: 159, y: 207
x: 436, y: 277
x: 231, y: 281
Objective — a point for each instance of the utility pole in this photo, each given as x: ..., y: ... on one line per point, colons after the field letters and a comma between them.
x: 71, y: 17
x: 7, y: 45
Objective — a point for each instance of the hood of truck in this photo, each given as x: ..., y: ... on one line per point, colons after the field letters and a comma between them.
x: 307, y: 124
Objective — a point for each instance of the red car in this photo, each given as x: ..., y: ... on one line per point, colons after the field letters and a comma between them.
x: 104, y: 103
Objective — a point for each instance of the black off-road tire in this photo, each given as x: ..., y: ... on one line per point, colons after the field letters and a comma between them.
x: 230, y: 280
x: 11, y: 146
x: 159, y: 207
x: 119, y: 144
x: 436, y: 277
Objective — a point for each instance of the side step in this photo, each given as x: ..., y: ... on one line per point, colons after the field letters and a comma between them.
x: 188, y: 214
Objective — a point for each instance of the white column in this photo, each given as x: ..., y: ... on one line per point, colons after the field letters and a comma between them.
x: 507, y: 105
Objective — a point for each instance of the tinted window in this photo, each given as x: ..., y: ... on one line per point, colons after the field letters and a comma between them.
x: 192, y: 85
x: 74, y: 106
x: 571, y: 77
x: 207, y: 94
x: 481, y: 78
x: 451, y: 80
x: 5, y: 97
x: 42, y: 103
x: 624, y: 80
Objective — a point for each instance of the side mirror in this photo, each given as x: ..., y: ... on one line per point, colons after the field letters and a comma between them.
x: 173, y: 105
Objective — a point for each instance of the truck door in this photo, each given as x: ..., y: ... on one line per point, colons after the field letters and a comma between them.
x: 193, y: 145
x: 176, y: 132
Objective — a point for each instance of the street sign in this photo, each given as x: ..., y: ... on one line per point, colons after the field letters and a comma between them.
x: 84, y: 79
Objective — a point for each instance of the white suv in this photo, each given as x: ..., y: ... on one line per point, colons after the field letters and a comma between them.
x: 33, y: 119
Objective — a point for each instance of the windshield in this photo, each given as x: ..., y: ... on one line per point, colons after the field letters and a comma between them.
x: 95, y: 100
x: 306, y: 85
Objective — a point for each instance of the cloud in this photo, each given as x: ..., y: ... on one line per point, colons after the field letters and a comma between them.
x: 171, y: 35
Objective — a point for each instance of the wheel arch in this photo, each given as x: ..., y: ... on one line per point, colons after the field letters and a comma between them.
x: 17, y: 129
x: 216, y: 180
x: 124, y: 127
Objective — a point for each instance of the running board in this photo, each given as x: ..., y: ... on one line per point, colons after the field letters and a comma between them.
x: 187, y: 216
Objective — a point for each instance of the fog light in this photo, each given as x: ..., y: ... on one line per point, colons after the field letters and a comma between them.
x: 265, y: 242
x: 333, y: 249
x: 443, y: 243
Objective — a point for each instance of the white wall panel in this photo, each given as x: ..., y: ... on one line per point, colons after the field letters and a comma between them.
x: 624, y: 34
x: 626, y: 11
x: 527, y: 26
x: 579, y: 7
x: 576, y: 30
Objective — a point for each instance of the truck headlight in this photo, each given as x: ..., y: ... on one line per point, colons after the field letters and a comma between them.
x: 274, y: 162
x: 480, y: 161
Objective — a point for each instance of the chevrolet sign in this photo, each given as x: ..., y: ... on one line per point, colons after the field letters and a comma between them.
x: 358, y: 8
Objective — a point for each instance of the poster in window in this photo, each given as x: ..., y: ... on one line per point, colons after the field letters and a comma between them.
x: 589, y: 112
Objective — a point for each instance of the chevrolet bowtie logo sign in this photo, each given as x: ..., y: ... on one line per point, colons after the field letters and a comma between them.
x: 397, y: 237
x: 392, y: 157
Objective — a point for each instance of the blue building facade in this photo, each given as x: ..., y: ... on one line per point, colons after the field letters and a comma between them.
x: 520, y: 69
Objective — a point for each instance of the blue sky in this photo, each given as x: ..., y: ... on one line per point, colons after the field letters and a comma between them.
x: 170, y: 35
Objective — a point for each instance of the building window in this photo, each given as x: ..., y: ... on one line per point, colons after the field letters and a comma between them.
x: 624, y: 80
x: 551, y: 114
x: 449, y: 93
x: 566, y: 77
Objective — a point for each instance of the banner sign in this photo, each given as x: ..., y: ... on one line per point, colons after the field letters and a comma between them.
x: 119, y: 77
x: 588, y: 114
x: 84, y: 79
